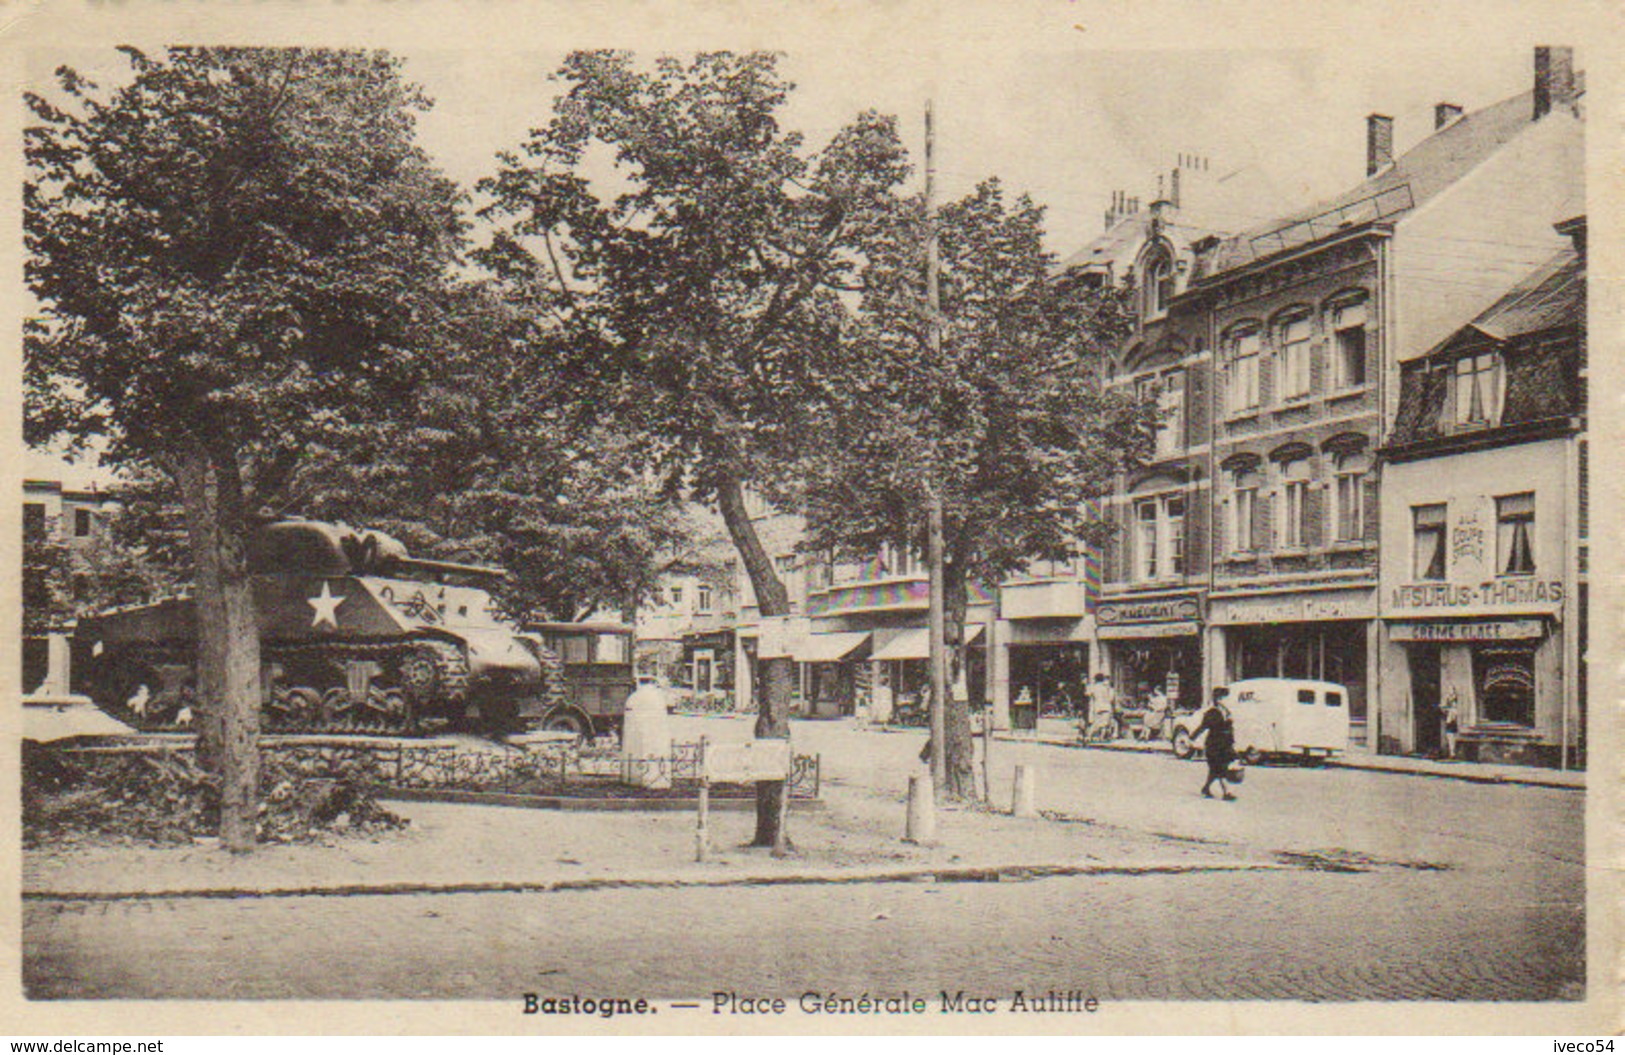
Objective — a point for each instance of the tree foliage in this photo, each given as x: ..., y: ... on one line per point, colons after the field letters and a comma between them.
x: 691, y: 251
x: 236, y: 252
x: 1004, y: 417
x: 496, y: 459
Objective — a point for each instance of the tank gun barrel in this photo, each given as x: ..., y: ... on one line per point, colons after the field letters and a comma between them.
x: 447, y: 567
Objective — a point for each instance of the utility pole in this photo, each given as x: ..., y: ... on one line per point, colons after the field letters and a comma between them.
x: 937, y: 652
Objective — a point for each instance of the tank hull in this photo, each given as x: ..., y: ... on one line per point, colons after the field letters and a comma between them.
x: 338, y: 653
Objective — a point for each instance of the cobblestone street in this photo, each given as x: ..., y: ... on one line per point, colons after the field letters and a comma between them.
x: 1399, y: 888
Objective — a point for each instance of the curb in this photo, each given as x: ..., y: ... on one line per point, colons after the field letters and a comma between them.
x: 982, y: 874
x: 1534, y: 780
x: 567, y: 803
x: 1536, y: 777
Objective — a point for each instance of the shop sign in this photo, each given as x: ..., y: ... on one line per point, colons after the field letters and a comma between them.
x: 1300, y: 609
x: 1161, y: 610
x: 1505, y: 630
x: 1499, y: 592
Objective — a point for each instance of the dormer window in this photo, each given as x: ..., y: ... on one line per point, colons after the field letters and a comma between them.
x: 1159, y: 285
x: 1476, y: 392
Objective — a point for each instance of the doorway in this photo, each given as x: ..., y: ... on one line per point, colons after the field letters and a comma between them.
x: 1425, y: 711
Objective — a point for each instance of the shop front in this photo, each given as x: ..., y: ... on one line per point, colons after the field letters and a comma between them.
x: 901, y: 675
x: 1317, y: 635
x: 1499, y: 673
x: 1151, y: 642
x: 1047, y: 680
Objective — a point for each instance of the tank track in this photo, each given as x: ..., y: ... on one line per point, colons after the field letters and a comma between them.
x: 396, y: 711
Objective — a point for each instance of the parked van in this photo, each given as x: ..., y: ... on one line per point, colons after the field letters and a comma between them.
x: 1278, y: 716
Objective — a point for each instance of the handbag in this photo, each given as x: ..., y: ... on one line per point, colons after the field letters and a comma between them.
x: 1236, y: 773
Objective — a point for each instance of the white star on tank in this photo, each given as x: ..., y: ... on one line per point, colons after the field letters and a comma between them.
x: 327, y: 608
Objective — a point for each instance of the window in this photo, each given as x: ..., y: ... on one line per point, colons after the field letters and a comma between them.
x: 1504, y: 682
x: 1243, y: 381
x: 1515, y: 534
x: 1244, y: 512
x: 1294, y: 358
x: 1159, y: 537
x: 34, y: 520
x: 81, y: 523
x: 676, y: 595
x: 1429, y: 535
x: 1145, y: 539
x: 1348, y: 491
x: 1166, y: 393
x: 1294, y: 529
x: 1159, y: 286
x: 1477, y: 390
x: 702, y: 598
x: 1171, y: 410
x: 1348, y: 344
x: 1174, y: 520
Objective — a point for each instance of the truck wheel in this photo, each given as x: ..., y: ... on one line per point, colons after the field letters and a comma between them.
x: 568, y: 722
x: 1183, y: 747
x: 1252, y: 756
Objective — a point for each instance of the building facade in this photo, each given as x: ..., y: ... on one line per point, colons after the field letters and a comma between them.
x: 1484, y: 564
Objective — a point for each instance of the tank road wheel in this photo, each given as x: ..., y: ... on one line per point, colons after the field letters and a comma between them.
x: 295, y: 709
x: 391, y: 709
x: 338, y: 710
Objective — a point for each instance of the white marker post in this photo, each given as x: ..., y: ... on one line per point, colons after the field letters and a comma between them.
x: 922, y: 810
x: 1022, y: 794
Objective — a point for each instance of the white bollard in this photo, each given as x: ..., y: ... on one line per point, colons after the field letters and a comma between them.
x: 922, y: 810
x: 646, y: 738
x: 1021, y: 795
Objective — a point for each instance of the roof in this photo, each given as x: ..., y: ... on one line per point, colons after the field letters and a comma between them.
x: 1415, y: 177
x: 1121, y: 242
x: 1552, y: 296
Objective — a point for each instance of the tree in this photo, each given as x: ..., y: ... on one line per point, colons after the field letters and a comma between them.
x: 493, y: 460
x: 696, y: 280
x: 1006, y: 421
x: 234, y: 253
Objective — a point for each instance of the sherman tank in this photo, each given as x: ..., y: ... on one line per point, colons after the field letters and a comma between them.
x: 355, y: 636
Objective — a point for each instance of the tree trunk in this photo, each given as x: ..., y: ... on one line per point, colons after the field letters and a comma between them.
x: 777, y: 675
x: 228, y: 641
x: 960, y: 776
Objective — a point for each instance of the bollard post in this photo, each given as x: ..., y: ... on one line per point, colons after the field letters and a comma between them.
x: 1021, y: 795
x: 922, y: 810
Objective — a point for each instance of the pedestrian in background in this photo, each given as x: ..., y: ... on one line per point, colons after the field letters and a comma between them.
x: 1221, y: 743
x: 1101, y: 721
x: 1450, y: 724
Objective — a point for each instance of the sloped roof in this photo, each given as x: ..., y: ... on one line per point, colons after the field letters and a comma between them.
x: 1553, y: 295
x: 1121, y: 242
x: 1415, y: 177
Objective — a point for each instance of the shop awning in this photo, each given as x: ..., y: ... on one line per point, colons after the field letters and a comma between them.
x: 827, y: 648
x: 916, y: 643
x: 1134, y: 630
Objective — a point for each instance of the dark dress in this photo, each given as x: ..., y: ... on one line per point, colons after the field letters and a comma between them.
x: 1221, y: 742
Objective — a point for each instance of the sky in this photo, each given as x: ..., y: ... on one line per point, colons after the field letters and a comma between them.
x: 1066, y: 128
x: 1067, y: 125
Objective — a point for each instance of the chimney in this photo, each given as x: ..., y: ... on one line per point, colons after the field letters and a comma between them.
x: 1444, y: 113
x: 1379, y: 142
x: 1554, y: 79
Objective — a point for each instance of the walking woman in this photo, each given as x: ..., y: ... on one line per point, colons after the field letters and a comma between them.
x: 1221, y: 743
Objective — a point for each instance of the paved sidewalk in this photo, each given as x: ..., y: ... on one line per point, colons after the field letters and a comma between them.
x: 451, y: 847
x: 1477, y: 772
